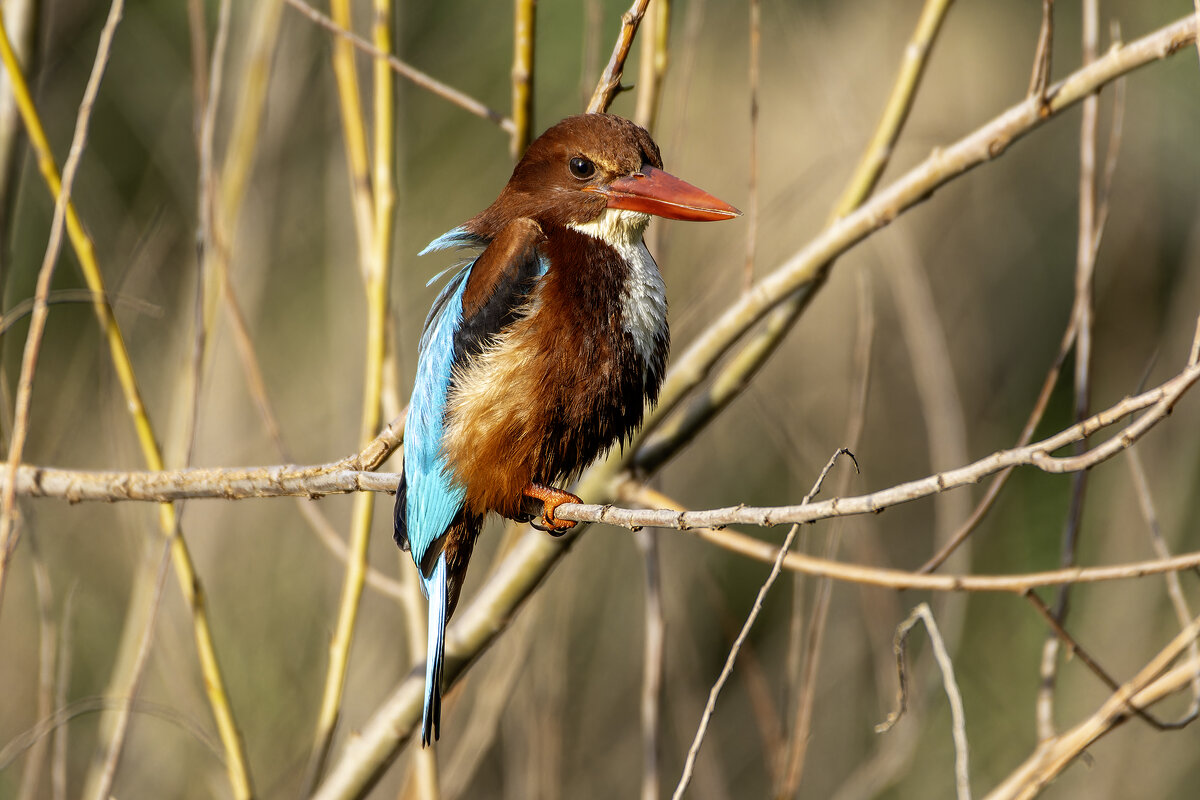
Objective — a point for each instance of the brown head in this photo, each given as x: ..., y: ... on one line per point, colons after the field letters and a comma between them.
x: 590, y: 162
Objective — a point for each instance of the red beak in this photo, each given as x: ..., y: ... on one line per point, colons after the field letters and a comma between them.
x: 653, y: 191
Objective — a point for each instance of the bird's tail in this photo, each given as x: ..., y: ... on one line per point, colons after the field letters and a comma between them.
x: 435, y: 651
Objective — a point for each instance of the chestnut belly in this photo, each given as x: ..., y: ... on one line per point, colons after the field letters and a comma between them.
x: 538, y: 406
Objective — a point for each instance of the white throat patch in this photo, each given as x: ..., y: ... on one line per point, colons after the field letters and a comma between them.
x: 644, y: 296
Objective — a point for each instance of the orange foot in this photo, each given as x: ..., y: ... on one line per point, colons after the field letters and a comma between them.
x: 551, y: 499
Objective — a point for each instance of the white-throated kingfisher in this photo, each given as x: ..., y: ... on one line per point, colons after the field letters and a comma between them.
x: 538, y: 355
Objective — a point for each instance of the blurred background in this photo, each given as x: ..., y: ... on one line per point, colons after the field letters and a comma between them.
x: 968, y: 296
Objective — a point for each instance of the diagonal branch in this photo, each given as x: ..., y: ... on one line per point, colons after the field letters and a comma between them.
x: 610, y: 82
x: 411, y: 73
x: 652, y: 447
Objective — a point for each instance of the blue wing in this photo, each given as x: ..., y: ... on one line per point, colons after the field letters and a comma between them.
x: 496, y: 287
x: 429, y: 497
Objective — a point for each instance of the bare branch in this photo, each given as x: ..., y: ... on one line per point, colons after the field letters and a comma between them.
x: 1074, y: 648
x: 1038, y: 455
x: 1150, y: 685
x: 653, y: 67
x: 1040, y: 79
x: 658, y: 438
x: 654, y: 653
x: 922, y: 613
x: 1082, y: 313
x: 727, y: 670
x: 1174, y: 587
x: 610, y: 80
x: 427, y: 82
x: 1001, y: 478
x: 352, y: 475
x: 41, y: 310
x: 794, y: 757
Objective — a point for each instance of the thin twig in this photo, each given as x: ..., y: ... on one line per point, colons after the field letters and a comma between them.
x: 102, y: 788
x: 589, y: 51
x: 416, y: 76
x: 1001, y: 478
x: 610, y: 81
x: 1085, y: 268
x: 1076, y: 649
x: 184, y: 568
x: 752, y: 167
x: 210, y: 102
x: 922, y: 613
x: 48, y: 639
x: 66, y: 296
x: 1042, y: 57
x: 22, y: 18
x: 375, y: 255
x: 776, y: 568
x: 653, y: 659
x: 1196, y: 3
x: 799, y: 736
x: 37, y: 322
x: 91, y: 705
x: 1152, y: 683
x: 1174, y: 587
x: 209, y: 241
x: 198, y: 50
x: 62, y: 683
x: 1115, y: 136
x: 652, y: 70
x: 659, y: 439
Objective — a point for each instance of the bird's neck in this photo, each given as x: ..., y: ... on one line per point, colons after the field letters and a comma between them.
x: 633, y: 281
x: 619, y: 229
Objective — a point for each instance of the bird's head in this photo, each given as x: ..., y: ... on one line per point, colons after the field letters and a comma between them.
x: 592, y: 168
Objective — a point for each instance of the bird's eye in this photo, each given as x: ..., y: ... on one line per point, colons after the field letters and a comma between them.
x: 582, y: 168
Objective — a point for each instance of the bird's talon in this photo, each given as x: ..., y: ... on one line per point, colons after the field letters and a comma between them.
x: 556, y: 527
x: 551, y: 499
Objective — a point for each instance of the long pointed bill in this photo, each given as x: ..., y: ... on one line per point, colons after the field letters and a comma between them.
x: 653, y: 191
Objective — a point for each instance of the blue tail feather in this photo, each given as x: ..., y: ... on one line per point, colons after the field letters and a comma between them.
x: 435, y: 651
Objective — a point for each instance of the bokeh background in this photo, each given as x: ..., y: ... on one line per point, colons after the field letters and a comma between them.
x: 968, y: 294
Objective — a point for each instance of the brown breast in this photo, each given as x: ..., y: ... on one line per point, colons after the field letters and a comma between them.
x: 556, y: 388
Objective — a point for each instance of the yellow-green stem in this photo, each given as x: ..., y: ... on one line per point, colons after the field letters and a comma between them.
x: 184, y: 570
x: 524, y: 27
x: 375, y: 243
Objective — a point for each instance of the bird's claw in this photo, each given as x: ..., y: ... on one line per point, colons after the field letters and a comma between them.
x: 548, y: 524
x: 551, y: 499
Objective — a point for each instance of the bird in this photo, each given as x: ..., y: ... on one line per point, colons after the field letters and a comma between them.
x: 540, y: 353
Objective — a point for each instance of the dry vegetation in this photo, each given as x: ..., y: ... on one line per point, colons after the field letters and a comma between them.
x: 971, y: 257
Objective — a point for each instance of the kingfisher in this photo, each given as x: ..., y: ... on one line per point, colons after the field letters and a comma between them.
x: 540, y: 353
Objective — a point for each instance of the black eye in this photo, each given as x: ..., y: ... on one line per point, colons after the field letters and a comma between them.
x: 582, y: 168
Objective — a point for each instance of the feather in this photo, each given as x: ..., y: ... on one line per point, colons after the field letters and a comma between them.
x: 455, y: 237
x: 432, y: 496
x: 482, y: 299
x: 477, y: 303
x: 434, y: 588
